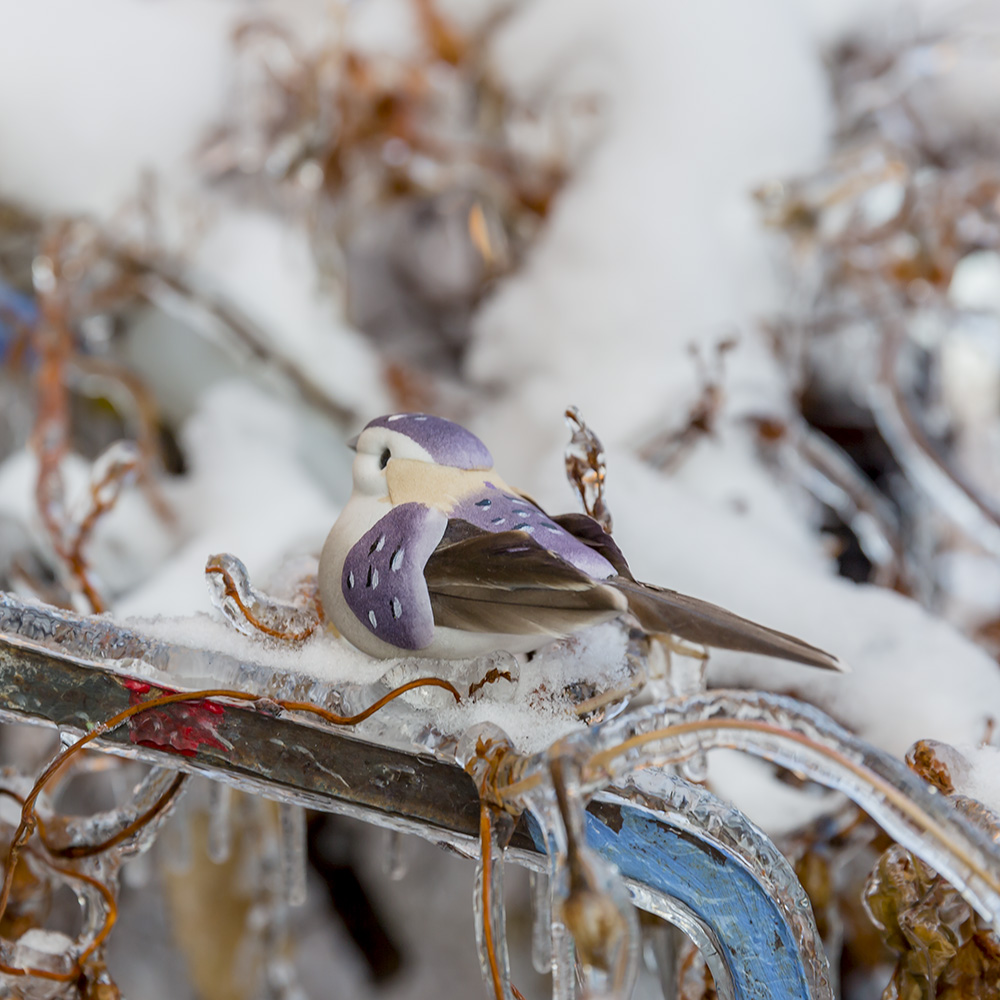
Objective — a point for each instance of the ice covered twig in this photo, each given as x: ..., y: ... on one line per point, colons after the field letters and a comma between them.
x: 940, y: 943
x: 252, y: 612
x: 950, y: 492
x: 586, y: 468
x: 798, y: 736
x: 115, y: 470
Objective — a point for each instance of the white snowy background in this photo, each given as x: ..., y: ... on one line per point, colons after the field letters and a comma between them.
x: 653, y: 245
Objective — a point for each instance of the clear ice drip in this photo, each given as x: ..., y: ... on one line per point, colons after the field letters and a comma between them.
x: 394, y: 864
x: 491, y: 914
x: 543, y: 807
x: 294, y: 861
x: 177, y: 839
x: 541, y: 923
x: 220, y: 824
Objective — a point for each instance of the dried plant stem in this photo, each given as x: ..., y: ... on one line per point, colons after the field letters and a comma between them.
x: 159, y: 279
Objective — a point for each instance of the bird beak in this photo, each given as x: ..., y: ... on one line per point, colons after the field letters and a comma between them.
x: 353, y: 443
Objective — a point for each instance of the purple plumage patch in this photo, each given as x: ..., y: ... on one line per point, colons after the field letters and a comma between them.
x: 494, y: 510
x: 446, y: 442
x: 383, y: 576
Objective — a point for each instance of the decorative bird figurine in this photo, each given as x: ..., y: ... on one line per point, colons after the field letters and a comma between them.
x: 435, y: 555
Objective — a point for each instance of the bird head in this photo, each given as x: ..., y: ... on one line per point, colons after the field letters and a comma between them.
x: 403, y: 452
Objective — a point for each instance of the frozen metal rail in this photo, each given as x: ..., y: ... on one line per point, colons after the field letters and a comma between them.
x: 708, y: 886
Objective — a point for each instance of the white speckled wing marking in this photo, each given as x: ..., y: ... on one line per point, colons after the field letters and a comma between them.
x: 383, y: 576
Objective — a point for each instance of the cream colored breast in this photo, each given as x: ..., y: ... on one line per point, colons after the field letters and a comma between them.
x: 439, y: 486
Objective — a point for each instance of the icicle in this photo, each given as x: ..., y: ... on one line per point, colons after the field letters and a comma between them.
x: 394, y: 864
x: 663, y: 939
x: 220, y: 797
x: 294, y: 859
x: 491, y: 915
x: 138, y: 873
x: 541, y: 923
x: 563, y: 963
x: 177, y: 839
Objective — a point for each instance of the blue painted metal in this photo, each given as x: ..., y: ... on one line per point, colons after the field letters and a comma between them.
x: 770, y: 953
x: 757, y: 943
x: 15, y: 308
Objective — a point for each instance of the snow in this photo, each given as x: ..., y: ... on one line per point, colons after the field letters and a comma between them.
x: 982, y: 780
x: 267, y: 267
x: 105, y: 90
x: 248, y: 491
x: 655, y: 244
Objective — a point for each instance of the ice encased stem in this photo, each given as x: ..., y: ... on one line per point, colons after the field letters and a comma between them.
x: 251, y: 612
x: 541, y: 923
x: 491, y: 915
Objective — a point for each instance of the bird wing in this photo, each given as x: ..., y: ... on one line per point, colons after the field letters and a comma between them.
x: 382, y: 578
x: 660, y: 610
x: 506, y: 582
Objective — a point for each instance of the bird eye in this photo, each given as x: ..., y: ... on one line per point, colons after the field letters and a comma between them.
x: 383, y: 460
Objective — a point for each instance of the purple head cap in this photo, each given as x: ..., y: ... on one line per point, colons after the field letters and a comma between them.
x: 446, y: 442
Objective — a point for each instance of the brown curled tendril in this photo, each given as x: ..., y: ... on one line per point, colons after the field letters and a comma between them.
x: 233, y: 592
x: 76, y: 851
x: 30, y: 820
x: 99, y: 938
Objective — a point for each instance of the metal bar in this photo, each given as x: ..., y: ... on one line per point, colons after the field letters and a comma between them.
x: 323, y: 768
x: 238, y: 743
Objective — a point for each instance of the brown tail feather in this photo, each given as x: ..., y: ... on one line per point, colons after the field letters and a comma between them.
x: 659, y: 610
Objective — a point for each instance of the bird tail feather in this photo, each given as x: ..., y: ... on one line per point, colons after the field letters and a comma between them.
x: 696, y: 621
